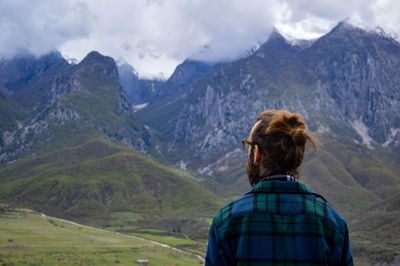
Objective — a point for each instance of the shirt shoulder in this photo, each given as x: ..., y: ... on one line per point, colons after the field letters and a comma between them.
x: 243, y: 205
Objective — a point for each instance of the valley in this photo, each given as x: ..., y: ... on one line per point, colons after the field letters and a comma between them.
x: 74, y: 146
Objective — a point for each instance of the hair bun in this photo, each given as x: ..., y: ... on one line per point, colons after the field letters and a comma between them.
x: 298, y: 137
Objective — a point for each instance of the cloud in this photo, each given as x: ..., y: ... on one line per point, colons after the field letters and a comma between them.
x: 167, y: 32
x: 40, y: 26
x: 156, y: 35
x: 387, y: 15
x: 311, y: 18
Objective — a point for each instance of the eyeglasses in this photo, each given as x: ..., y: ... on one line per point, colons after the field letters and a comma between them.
x: 246, y: 143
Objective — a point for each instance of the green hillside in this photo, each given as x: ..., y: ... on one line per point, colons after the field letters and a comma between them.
x: 108, y: 184
x: 375, y: 234
x: 354, y: 177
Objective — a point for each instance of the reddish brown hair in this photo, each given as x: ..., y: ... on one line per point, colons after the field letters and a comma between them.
x: 281, y: 137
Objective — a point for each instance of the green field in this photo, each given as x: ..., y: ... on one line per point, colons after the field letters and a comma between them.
x: 28, y: 238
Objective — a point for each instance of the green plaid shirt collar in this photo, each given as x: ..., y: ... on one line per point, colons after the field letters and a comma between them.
x: 293, y: 187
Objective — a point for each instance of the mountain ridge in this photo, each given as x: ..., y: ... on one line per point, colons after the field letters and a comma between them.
x: 286, y: 69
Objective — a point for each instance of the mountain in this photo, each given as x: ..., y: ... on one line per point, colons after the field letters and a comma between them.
x: 322, y: 82
x: 64, y: 100
x: 363, y: 68
x: 74, y: 148
x: 346, y: 86
x: 167, y: 103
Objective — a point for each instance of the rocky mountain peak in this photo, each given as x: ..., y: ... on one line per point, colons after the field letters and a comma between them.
x: 100, y: 64
x: 350, y: 30
x: 96, y: 57
x: 278, y: 40
x: 344, y: 26
x: 276, y: 35
x: 277, y: 43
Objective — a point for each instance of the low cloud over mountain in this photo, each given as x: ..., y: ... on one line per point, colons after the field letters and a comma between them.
x: 156, y: 35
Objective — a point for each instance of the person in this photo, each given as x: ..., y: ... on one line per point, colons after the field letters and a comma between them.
x: 280, y: 221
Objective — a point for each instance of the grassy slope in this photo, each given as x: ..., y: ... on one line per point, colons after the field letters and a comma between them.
x: 375, y: 234
x: 94, y: 181
x: 28, y: 238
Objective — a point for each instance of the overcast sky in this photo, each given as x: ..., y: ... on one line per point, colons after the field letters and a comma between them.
x: 156, y: 35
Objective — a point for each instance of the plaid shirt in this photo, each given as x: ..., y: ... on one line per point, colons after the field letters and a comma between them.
x: 279, y: 223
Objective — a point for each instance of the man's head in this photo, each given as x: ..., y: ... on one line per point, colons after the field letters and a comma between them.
x: 277, y: 143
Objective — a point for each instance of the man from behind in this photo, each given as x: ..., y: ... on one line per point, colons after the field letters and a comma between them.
x: 280, y: 221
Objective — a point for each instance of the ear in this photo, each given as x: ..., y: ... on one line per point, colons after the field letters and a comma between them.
x: 257, y: 154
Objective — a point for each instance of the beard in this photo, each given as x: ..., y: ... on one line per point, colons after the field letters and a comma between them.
x: 252, y: 170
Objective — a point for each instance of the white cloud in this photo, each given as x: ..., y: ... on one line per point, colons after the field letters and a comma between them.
x: 156, y: 35
x: 310, y: 18
x: 40, y: 26
x: 387, y: 15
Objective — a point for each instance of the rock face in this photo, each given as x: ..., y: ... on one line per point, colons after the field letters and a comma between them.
x: 57, y: 97
x: 362, y: 78
x: 345, y: 84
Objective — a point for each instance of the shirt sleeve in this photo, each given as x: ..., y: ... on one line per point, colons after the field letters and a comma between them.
x: 215, y: 251
x: 347, y: 257
x: 212, y: 248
